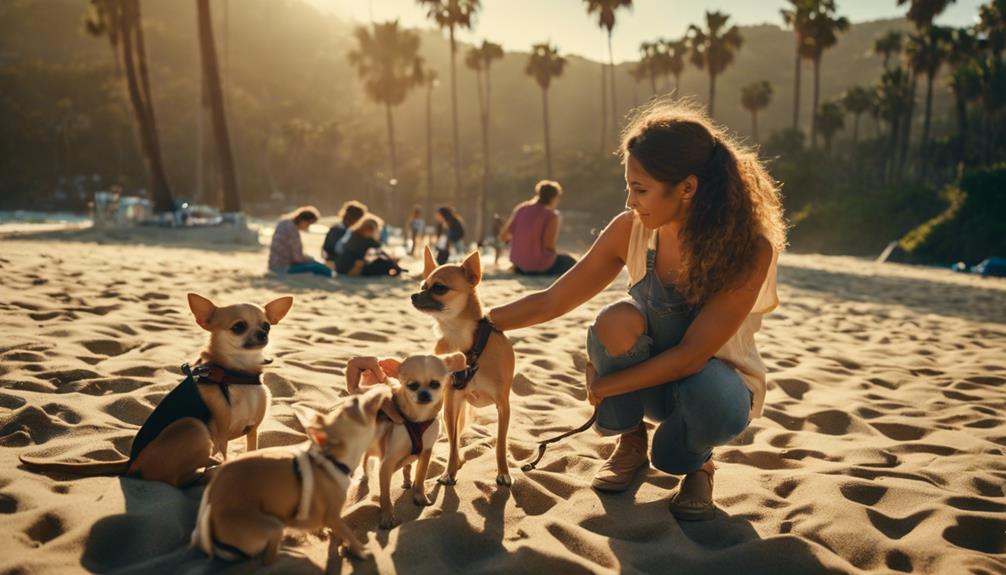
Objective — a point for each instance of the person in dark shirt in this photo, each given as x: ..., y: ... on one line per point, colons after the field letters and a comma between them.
x: 350, y: 213
x: 354, y: 259
x: 450, y: 233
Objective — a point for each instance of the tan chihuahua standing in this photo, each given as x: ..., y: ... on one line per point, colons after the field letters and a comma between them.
x: 412, y: 423
x: 252, y: 498
x: 448, y: 295
x: 221, y: 398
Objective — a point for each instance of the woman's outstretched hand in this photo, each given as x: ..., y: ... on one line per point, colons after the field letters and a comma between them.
x: 366, y: 368
x: 592, y: 378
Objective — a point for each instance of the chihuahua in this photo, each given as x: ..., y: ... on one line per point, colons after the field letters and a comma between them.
x: 220, y: 399
x: 448, y: 295
x: 411, y: 425
x: 251, y: 499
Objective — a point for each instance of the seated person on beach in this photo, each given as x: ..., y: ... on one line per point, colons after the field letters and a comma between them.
x: 349, y: 214
x: 450, y: 233
x: 699, y: 237
x: 286, y: 253
x: 355, y: 260
x: 533, y: 230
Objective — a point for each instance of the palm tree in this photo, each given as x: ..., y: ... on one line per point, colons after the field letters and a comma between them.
x: 796, y: 17
x: 480, y: 60
x: 452, y: 15
x: 544, y: 64
x: 830, y: 119
x: 385, y: 59
x: 713, y: 48
x: 923, y: 12
x: 649, y: 58
x: 822, y: 30
x: 894, y: 93
x: 965, y: 80
x: 211, y: 77
x: 934, y: 51
x: 857, y: 101
x: 673, y: 55
x: 755, y: 97
x: 888, y: 45
x: 121, y: 22
x: 429, y: 79
x: 605, y: 10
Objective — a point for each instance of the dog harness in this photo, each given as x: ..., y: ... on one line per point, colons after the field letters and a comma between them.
x: 415, y: 429
x: 185, y: 401
x: 482, y: 332
x: 304, y: 471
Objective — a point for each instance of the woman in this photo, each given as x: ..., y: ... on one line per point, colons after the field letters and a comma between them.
x: 533, y: 231
x: 700, y: 240
x: 450, y: 233
x: 349, y: 214
x: 286, y: 252
x: 364, y: 236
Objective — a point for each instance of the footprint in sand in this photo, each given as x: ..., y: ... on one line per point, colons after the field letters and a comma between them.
x: 29, y: 425
x: 8, y: 504
x: 863, y: 493
x: 522, y: 385
x: 107, y: 347
x: 898, y: 561
x: 900, y: 431
x: 278, y: 385
x: 368, y: 336
x: 794, y: 388
x: 896, y: 528
x: 977, y: 533
x: 46, y: 528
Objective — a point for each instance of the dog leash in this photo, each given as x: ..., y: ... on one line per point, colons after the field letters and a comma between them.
x: 543, y: 445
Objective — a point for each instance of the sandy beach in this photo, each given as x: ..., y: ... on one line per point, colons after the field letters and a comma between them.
x: 881, y: 448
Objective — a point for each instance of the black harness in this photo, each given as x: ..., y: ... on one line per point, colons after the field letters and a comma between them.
x: 185, y: 401
x: 464, y: 376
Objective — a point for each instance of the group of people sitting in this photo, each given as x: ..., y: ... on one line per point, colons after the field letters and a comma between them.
x: 355, y: 245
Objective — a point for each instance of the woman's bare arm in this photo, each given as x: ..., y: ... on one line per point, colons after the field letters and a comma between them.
x: 716, y: 323
x: 598, y: 267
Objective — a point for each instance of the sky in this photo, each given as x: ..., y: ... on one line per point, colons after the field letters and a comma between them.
x: 516, y: 24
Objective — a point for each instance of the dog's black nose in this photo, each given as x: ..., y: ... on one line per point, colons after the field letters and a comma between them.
x: 424, y: 397
x: 262, y: 336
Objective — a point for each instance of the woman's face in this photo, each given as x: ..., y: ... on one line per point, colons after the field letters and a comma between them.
x: 655, y: 202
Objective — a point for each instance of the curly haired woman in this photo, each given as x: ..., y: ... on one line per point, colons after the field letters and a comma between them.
x: 700, y: 238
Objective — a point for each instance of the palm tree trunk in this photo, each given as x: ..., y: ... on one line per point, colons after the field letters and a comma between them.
x: 817, y: 95
x: 796, y: 87
x: 614, y: 104
x: 548, y: 140
x: 962, y: 125
x: 159, y: 189
x: 906, y: 125
x: 604, y: 107
x: 211, y: 74
x: 712, y: 94
x: 480, y: 200
x: 925, y: 124
x: 392, y: 155
x: 429, y: 150
x: 454, y: 119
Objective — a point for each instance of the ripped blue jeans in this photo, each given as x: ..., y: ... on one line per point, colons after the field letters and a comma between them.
x: 693, y: 414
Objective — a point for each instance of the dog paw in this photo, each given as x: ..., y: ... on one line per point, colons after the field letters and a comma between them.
x: 421, y: 499
x: 446, y: 480
x: 406, y: 483
x: 388, y: 522
x: 504, y: 479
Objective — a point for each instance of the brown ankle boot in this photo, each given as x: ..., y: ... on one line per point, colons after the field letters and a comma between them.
x: 617, y: 473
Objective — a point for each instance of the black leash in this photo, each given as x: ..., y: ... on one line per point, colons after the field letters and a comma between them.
x: 543, y: 445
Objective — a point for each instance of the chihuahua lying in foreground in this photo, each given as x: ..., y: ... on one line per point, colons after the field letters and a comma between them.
x: 221, y: 398
x: 410, y: 421
x: 252, y: 498
x: 448, y: 295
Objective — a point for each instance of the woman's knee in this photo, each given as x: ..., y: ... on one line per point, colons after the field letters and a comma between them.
x: 716, y: 404
x: 618, y: 327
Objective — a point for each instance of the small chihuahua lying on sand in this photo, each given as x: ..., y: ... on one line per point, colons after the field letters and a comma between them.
x: 448, y: 295
x: 220, y: 399
x: 410, y: 421
x: 252, y: 498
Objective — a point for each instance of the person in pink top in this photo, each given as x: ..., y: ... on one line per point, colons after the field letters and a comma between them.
x: 533, y: 230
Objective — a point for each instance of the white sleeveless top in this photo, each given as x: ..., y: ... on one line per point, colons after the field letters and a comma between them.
x: 740, y: 351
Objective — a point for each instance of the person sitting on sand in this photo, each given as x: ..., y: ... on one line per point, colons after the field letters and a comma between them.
x: 363, y: 237
x: 533, y: 230
x: 286, y: 252
x: 700, y: 239
x: 349, y: 214
x: 450, y: 233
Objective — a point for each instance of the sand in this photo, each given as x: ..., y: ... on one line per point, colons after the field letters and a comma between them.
x: 881, y: 448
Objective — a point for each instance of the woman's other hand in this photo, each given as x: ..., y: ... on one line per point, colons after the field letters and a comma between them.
x: 592, y: 379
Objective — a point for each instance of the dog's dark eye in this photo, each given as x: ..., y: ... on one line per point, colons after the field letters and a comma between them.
x: 265, y: 326
x: 413, y: 385
x: 439, y: 289
x: 434, y: 384
x: 239, y: 328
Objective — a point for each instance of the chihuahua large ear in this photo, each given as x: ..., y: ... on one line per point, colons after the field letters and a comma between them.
x: 429, y: 262
x: 472, y: 267
x: 456, y: 361
x: 390, y: 367
x: 313, y: 424
x: 278, y: 308
x: 202, y: 308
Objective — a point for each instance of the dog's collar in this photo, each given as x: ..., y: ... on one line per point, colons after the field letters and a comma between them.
x: 464, y: 376
x: 219, y: 375
x: 304, y: 472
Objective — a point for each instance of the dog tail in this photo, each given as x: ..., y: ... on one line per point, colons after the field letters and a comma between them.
x: 118, y: 467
